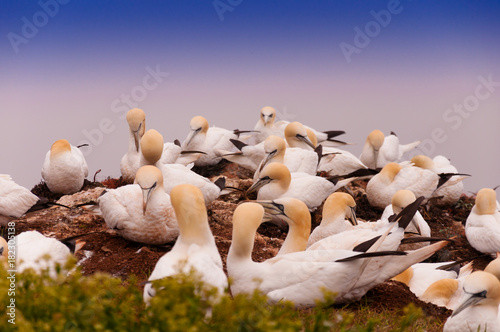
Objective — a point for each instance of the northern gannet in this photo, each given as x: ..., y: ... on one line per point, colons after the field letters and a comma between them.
x: 275, y: 181
x: 37, y: 252
x: 15, y: 200
x: 136, y: 119
x: 174, y: 174
x: 296, y: 214
x: 64, y: 169
x: 393, y: 177
x: 141, y: 212
x: 208, y: 140
x: 303, y: 277
x: 478, y: 309
x: 379, y: 150
x: 482, y: 227
x: 447, y: 194
x: 195, y: 247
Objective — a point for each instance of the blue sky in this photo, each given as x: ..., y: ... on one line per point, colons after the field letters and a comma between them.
x: 63, y: 81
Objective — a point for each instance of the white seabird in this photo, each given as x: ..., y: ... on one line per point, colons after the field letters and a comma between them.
x: 15, y: 200
x: 482, y: 227
x: 64, y: 169
x: 141, y: 212
x: 195, y: 247
x: 136, y: 119
x: 208, y: 140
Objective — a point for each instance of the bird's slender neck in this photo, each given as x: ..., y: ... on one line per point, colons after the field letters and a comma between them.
x: 296, y: 239
x: 242, y: 243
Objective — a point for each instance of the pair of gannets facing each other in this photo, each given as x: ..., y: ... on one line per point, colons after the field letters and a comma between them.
x: 446, y: 195
x: 482, y: 227
x: 267, y: 126
x: 276, y: 181
x: 136, y: 119
x: 64, y: 169
x: 478, y: 309
x: 15, y: 200
x: 195, y: 247
x: 141, y: 212
x: 175, y: 174
x: 207, y: 140
x: 393, y: 177
x: 303, y: 277
x: 37, y: 252
x: 379, y: 150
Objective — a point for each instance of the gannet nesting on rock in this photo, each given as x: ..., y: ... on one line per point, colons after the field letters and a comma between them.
x: 136, y: 119
x: 141, y: 212
x: 64, y: 168
x: 393, y: 177
x: 37, y: 252
x: 207, y: 140
x: 478, y: 309
x: 302, y: 277
x: 195, y: 247
x: 275, y: 181
x: 379, y: 150
x: 447, y: 195
x: 15, y: 200
x: 482, y: 227
x: 174, y: 174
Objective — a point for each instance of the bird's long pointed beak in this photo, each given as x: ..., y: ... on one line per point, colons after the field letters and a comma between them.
x: 192, y: 134
x: 352, y: 217
x: 416, y: 225
x: 257, y: 185
x: 146, y: 192
x: 273, y: 213
x: 136, y: 137
x: 471, y: 300
x: 306, y: 140
x: 268, y: 157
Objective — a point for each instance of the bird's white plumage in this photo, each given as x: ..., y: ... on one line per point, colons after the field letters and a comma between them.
x: 207, y: 139
x: 64, y: 168
x: 276, y: 181
x: 15, y: 200
x: 38, y: 252
x: 136, y: 119
x: 339, y: 162
x: 195, y: 247
x: 141, y: 212
x: 174, y: 174
x: 478, y: 309
x: 482, y: 227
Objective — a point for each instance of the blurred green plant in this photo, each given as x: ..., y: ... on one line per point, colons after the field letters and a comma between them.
x: 100, y: 302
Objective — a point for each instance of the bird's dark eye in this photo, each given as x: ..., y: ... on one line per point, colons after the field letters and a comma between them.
x: 281, y: 207
x: 482, y: 294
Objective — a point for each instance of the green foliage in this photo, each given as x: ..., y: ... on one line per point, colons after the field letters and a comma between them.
x: 101, y: 302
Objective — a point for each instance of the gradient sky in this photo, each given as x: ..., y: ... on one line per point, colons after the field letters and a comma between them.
x: 74, y: 72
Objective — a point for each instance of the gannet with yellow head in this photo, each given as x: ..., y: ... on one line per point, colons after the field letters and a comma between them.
x: 136, y: 119
x: 174, y: 174
x: 482, y: 227
x: 141, y: 212
x: 64, y: 169
x: 208, y: 140
x: 478, y: 308
x: 195, y: 247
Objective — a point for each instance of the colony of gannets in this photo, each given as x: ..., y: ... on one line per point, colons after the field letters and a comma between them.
x: 166, y: 201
